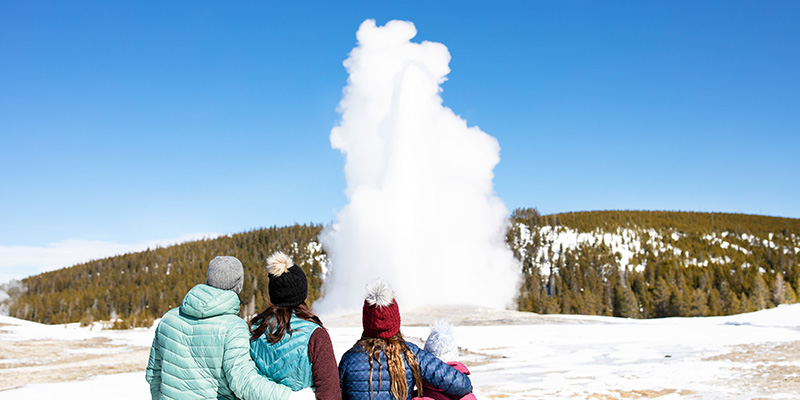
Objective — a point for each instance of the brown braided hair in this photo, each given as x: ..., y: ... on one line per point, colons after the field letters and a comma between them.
x: 395, y: 348
x: 277, y: 321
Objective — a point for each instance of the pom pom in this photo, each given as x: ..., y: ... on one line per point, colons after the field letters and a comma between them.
x: 442, y: 341
x: 278, y: 264
x: 380, y: 293
x: 442, y: 328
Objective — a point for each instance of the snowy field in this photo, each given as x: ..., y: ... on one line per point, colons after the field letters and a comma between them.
x: 511, y: 355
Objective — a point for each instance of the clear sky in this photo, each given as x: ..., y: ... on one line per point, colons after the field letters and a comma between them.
x: 125, y: 123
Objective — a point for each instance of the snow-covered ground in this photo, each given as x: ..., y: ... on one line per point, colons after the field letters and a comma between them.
x: 511, y: 355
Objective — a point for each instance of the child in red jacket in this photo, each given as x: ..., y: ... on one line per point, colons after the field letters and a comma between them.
x: 442, y: 343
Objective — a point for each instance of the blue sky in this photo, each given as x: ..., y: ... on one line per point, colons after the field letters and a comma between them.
x: 123, y: 123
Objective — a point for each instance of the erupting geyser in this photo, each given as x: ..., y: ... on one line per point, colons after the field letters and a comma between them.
x: 422, y: 211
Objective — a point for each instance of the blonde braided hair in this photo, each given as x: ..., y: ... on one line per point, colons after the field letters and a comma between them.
x: 395, y: 349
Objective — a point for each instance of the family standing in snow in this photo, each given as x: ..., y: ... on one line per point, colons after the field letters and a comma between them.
x: 203, y: 350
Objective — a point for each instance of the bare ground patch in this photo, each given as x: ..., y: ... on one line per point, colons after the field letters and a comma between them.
x: 45, y: 361
x: 768, y: 368
x: 637, y: 394
x: 474, y: 359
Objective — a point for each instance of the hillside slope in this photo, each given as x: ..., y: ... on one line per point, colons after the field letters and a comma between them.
x: 141, y: 286
x: 646, y: 264
x: 639, y: 264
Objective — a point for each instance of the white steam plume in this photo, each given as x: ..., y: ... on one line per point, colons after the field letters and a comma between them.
x: 422, y: 211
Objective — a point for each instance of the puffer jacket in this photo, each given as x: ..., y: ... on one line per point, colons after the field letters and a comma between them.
x: 434, y: 393
x: 354, y: 375
x: 201, y: 350
x: 286, y: 362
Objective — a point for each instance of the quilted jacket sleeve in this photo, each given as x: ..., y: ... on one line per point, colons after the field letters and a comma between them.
x: 240, y: 370
x: 345, y: 381
x: 153, y: 374
x: 440, y: 375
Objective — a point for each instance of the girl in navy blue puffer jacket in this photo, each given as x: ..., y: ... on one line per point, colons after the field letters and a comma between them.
x: 383, y: 366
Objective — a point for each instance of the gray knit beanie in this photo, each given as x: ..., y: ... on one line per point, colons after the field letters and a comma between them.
x: 226, y: 273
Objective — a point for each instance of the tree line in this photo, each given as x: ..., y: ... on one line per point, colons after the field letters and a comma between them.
x: 757, y: 269
x: 135, y: 288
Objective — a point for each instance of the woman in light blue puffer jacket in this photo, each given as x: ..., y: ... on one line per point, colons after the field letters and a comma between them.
x: 201, y: 350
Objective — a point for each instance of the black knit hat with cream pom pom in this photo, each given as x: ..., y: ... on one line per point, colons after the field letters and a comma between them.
x: 288, y: 286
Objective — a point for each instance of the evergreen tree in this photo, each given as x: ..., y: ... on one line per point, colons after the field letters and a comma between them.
x: 662, y: 299
x: 624, y: 303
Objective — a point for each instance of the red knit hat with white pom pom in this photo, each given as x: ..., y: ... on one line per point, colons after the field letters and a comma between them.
x: 380, y: 315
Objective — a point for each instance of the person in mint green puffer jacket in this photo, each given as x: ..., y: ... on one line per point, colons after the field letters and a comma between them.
x: 201, y: 350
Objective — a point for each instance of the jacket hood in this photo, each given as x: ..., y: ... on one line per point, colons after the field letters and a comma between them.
x: 204, y: 301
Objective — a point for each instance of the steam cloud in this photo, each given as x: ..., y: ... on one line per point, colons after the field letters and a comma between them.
x: 422, y: 211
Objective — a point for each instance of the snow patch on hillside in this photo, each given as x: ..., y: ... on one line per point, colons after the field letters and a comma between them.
x: 631, y: 245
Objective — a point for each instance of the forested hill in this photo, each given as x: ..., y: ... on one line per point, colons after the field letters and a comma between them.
x: 639, y: 264
x: 138, y: 287
x: 646, y: 264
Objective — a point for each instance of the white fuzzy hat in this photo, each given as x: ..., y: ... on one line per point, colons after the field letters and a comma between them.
x: 442, y: 341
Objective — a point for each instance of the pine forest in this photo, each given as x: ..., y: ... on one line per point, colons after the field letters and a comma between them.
x: 635, y: 264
